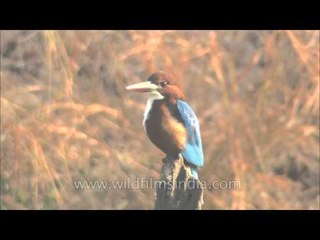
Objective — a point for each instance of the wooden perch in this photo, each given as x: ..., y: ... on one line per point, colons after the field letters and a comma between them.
x: 177, y: 189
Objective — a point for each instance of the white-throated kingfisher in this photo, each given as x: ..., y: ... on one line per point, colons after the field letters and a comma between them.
x: 169, y: 121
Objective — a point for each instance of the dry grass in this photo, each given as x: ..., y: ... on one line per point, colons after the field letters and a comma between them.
x: 65, y: 115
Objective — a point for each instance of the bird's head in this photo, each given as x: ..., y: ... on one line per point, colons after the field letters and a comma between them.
x: 160, y: 84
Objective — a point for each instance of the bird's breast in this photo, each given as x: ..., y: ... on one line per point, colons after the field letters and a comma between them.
x: 164, y: 128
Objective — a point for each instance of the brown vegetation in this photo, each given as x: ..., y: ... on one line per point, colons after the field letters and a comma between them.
x: 65, y: 115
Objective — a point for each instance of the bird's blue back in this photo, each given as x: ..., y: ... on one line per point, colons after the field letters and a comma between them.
x: 192, y: 152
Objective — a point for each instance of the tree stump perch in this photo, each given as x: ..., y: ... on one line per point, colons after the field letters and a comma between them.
x: 177, y: 189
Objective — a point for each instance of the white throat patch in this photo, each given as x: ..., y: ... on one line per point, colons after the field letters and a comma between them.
x: 154, y: 96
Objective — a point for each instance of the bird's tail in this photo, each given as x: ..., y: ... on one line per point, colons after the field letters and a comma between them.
x: 194, y: 173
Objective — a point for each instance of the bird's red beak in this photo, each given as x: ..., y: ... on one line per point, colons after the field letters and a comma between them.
x: 146, y: 86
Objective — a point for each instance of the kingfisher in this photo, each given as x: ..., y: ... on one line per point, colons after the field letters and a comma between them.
x: 169, y: 121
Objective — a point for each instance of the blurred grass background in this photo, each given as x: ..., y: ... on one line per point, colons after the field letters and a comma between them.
x: 65, y: 115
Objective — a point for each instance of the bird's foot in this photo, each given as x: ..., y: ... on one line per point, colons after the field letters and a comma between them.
x: 170, y: 158
x: 165, y: 159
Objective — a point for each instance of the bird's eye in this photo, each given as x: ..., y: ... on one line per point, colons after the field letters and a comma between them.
x: 163, y: 83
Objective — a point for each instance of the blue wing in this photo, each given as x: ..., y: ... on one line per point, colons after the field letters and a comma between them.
x: 193, y: 149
